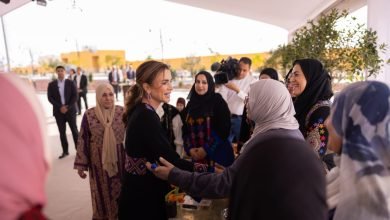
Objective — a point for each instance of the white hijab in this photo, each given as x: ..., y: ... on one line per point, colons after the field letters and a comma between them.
x: 270, y: 106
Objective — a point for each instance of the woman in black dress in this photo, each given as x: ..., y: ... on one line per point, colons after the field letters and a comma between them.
x: 142, y: 194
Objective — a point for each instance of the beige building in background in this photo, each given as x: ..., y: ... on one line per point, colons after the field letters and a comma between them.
x: 205, y: 62
x: 102, y: 60
x: 95, y: 61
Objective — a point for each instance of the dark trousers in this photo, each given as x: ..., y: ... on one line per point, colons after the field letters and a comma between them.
x: 61, y: 120
x: 84, y: 96
x: 116, y: 90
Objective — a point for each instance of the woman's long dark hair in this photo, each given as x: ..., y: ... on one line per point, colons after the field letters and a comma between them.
x: 146, y: 73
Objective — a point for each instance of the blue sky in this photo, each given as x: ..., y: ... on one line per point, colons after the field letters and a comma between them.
x: 134, y: 26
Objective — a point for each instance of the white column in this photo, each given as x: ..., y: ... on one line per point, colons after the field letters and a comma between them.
x: 378, y: 20
x: 5, y: 45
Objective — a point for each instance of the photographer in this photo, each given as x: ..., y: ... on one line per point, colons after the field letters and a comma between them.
x: 234, y: 93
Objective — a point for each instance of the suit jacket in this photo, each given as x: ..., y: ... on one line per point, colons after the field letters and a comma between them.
x: 111, y: 77
x: 83, y: 83
x: 70, y: 93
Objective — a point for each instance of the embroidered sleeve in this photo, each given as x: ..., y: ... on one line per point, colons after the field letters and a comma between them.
x: 317, y: 134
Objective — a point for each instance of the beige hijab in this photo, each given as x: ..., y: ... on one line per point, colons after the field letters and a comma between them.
x: 106, y: 117
x: 270, y: 106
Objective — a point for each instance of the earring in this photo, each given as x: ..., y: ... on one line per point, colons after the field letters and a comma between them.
x: 149, y: 96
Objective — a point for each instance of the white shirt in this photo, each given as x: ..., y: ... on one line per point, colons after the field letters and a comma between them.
x: 78, y: 79
x: 61, y: 89
x: 177, y: 124
x: 120, y: 75
x: 235, y: 100
x: 115, y: 76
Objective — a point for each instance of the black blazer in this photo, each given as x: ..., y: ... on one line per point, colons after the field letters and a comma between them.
x: 83, y: 83
x: 53, y: 94
x: 111, y: 77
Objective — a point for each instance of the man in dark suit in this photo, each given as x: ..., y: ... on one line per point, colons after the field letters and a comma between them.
x: 113, y: 78
x: 62, y: 94
x: 81, y: 82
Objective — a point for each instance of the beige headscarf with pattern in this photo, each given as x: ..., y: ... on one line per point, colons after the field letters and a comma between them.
x: 106, y: 117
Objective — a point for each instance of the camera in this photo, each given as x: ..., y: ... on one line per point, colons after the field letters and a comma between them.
x: 227, y: 71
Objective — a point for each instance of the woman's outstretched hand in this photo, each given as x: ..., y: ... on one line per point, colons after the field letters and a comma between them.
x: 218, y: 168
x: 82, y: 174
x: 162, y: 170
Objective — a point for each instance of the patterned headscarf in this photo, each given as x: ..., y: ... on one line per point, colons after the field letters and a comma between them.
x: 361, y: 116
x: 106, y: 117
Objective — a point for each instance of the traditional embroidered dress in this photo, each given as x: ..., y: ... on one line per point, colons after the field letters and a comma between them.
x: 105, y: 190
x: 207, y: 125
x: 312, y: 106
x: 316, y: 133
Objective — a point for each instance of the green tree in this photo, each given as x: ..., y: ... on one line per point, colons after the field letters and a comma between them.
x: 350, y: 51
x: 174, y: 74
x: 90, y: 77
x: 49, y: 63
x: 112, y: 60
x: 190, y: 63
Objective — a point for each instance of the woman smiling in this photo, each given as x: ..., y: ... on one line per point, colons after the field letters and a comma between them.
x: 100, y: 152
x: 311, y: 87
x: 207, y: 124
x: 142, y: 194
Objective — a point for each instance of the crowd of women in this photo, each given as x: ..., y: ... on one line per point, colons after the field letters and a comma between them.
x: 303, y: 157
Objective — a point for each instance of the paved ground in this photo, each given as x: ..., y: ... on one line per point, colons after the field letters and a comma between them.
x: 68, y: 195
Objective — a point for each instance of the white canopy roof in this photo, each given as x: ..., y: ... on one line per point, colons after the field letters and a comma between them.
x: 13, y: 4
x: 286, y: 14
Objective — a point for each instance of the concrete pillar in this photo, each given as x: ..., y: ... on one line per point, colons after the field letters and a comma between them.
x: 378, y: 20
